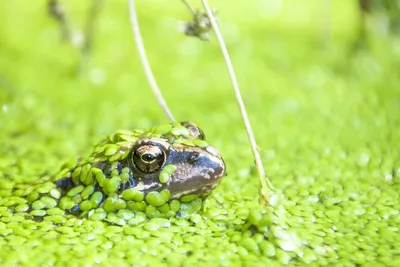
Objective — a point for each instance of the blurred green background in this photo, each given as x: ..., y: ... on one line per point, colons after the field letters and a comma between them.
x: 320, y: 80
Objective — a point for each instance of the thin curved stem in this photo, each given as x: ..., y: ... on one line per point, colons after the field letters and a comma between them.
x: 265, y: 185
x: 145, y: 62
x: 189, y: 7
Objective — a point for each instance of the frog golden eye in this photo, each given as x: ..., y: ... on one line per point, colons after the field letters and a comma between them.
x: 149, y: 158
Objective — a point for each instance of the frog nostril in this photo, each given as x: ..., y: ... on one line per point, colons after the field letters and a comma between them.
x: 194, y: 157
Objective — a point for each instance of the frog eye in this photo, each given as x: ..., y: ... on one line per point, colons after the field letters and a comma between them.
x: 195, y: 131
x: 149, y: 158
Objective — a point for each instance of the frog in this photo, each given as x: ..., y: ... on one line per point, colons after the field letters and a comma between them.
x: 155, y: 171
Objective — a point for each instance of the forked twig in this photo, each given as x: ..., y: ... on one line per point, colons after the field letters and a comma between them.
x: 145, y: 62
x: 189, y: 7
x: 87, y: 45
x: 57, y: 11
x: 265, y: 185
x: 84, y: 45
x: 90, y: 24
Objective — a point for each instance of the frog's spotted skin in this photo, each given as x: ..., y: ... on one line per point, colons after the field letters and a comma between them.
x: 161, y: 172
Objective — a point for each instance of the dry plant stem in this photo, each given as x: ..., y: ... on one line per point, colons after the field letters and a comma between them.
x: 90, y: 24
x: 57, y: 11
x: 189, y: 7
x: 145, y: 62
x: 265, y: 185
x: 89, y: 30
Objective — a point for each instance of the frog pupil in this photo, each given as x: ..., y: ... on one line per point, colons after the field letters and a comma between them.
x: 148, y: 157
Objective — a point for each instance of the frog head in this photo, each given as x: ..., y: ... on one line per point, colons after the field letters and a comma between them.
x: 184, y: 164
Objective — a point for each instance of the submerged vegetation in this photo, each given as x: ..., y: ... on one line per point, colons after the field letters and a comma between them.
x: 325, y: 112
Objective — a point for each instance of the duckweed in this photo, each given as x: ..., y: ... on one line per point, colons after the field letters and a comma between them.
x: 200, y: 143
x: 164, y: 177
x: 179, y: 130
x: 133, y: 194
x: 113, y: 203
x: 189, y: 198
x: 111, y: 185
x: 48, y: 202
x: 96, y: 198
x: 54, y: 193
x: 327, y: 127
x: 163, y: 129
x: 21, y: 208
x: 97, y: 215
x: 76, y: 190
x: 38, y: 205
x: 155, y: 199
x: 66, y: 203
x: 175, y: 205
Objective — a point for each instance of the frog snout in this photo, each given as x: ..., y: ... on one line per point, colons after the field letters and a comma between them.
x: 213, y: 151
x: 207, y: 166
x: 198, y: 171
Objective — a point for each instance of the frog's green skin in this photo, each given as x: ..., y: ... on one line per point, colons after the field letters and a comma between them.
x: 132, y: 170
